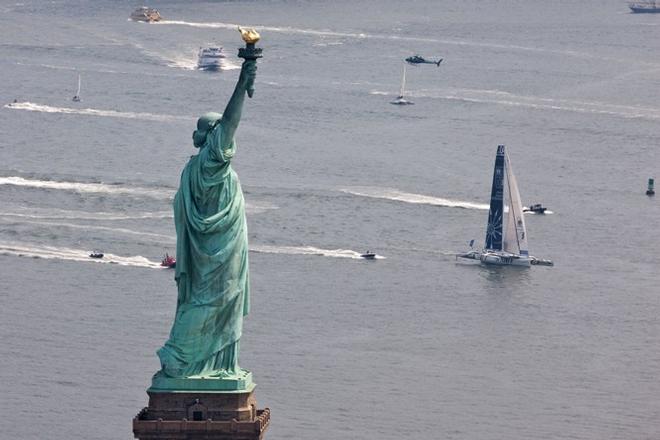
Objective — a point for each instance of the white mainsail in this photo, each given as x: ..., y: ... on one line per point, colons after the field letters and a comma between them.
x: 514, y: 233
x: 403, y: 82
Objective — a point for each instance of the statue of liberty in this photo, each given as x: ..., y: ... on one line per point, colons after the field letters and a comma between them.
x: 212, y: 250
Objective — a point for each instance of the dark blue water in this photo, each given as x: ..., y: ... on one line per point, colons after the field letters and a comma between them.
x: 413, y: 345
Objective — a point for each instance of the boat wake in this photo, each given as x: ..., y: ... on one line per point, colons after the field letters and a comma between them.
x: 34, y: 107
x: 59, y: 253
x: 99, y: 188
x: 309, y: 250
x: 60, y: 214
x: 190, y: 62
x: 112, y: 189
x: 400, y: 196
x: 498, y: 97
x: 390, y: 37
x: 87, y: 227
x: 50, y: 253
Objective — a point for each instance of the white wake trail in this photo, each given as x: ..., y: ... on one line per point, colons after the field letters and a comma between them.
x: 400, y: 196
x: 535, y: 102
x: 362, y: 35
x: 308, y: 250
x: 50, y: 253
x: 61, y: 214
x: 86, y: 227
x: 99, y: 188
x: 34, y: 107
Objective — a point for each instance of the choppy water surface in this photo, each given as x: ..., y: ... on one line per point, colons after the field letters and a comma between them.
x: 413, y: 345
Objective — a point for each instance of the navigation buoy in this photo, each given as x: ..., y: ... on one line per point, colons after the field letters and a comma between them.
x: 650, y: 191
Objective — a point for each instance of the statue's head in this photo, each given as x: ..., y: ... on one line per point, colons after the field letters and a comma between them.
x: 205, y: 124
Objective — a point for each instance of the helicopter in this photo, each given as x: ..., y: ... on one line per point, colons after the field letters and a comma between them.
x: 418, y: 59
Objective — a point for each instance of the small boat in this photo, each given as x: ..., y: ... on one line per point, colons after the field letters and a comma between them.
x: 210, y: 58
x: 650, y: 191
x: 536, y: 208
x: 145, y: 14
x: 506, y: 235
x: 76, y: 97
x: 168, y: 261
x: 368, y: 255
x: 400, y: 100
x: 648, y: 7
x: 96, y: 254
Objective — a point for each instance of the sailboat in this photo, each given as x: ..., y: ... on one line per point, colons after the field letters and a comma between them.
x: 506, y: 235
x: 76, y: 97
x: 400, y: 100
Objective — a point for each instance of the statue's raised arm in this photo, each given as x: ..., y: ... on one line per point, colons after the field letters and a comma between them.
x: 232, y: 114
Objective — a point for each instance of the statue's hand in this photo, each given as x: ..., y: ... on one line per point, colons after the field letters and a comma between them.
x: 248, y: 73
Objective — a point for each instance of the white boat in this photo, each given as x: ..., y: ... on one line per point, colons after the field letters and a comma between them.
x: 76, y: 97
x: 210, y: 58
x: 400, y: 100
x: 506, y: 235
x: 649, y: 7
x: 146, y: 14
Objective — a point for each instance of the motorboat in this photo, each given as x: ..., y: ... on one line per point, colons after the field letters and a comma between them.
x: 96, y: 254
x: 648, y: 7
x: 368, y: 255
x: 400, y: 100
x: 168, y: 261
x: 536, y: 208
x: 210, y: 58
x: 506, y: 235
x: 145, y: 14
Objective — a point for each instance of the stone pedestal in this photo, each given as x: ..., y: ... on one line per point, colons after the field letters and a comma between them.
x: 201, y: 413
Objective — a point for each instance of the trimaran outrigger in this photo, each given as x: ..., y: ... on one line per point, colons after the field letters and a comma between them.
x: 506, y: 235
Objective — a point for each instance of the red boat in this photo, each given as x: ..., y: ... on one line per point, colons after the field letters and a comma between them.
x: 168, y: 261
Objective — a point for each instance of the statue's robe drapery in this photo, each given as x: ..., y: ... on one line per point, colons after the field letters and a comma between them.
x: 211, y: 267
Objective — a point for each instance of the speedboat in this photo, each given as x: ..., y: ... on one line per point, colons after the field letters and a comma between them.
x: 210, y: 58
x: 145, y: 14
x: 368, y: 255
x: 536, y: 208
x: 506, y: 235
x: 168, y: 261
x: 96, y: 254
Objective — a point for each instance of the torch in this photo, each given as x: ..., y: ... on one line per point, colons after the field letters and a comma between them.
x: 249, y: 52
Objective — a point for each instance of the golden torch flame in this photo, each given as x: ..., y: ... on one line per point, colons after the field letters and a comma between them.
x: 250, y: 36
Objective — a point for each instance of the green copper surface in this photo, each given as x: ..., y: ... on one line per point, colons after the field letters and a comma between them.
x: 239, y: 382
x: 212, y: 259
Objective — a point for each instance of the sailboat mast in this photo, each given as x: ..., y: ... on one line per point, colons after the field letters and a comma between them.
x: 79, y: 81
x: 403, y: 81
x: 496, y: 212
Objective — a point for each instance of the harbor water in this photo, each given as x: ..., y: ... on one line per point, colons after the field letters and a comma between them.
x: 410, y: 345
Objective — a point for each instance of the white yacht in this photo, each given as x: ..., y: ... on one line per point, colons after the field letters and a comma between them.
x: 210, y: 58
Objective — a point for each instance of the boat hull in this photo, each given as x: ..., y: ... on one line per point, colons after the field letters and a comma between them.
x: 637, y: 10
x: 498, y: 259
